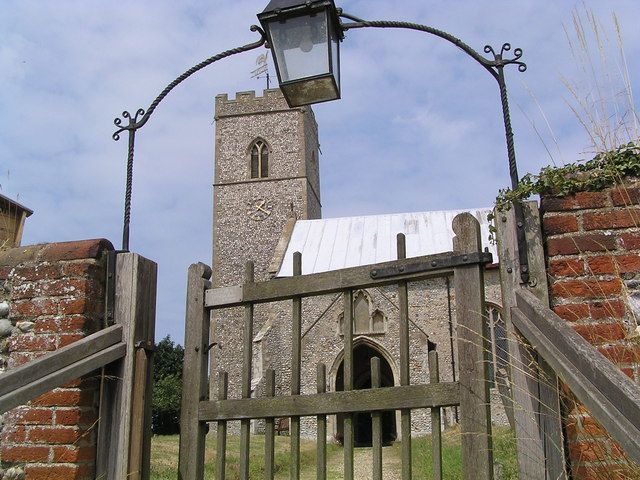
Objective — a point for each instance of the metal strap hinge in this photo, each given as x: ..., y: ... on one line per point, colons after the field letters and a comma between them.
x: 452, y: 261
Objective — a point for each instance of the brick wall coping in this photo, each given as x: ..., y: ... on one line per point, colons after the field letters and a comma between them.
x: 52, y: 252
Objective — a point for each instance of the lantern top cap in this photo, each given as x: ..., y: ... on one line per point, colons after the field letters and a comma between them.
x: 288, y: 8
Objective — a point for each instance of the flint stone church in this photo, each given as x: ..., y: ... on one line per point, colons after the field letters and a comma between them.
x: 267, y: 205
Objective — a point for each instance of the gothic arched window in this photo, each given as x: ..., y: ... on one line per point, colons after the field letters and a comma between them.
x: 259, y: 160
x: 498, y: 348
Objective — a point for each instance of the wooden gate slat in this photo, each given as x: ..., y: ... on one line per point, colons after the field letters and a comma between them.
x: 296, y: 366
x: 348, y: 440
x: 436, y: 436
x: 475, y: 419
x: 536, y: 407
x: 269, y: 429
x: 376, y: 424
x: 247, y: 360
x: 194, y: 376
x: 321, y: 431
x: 221, y: 440
x: 405, y: 414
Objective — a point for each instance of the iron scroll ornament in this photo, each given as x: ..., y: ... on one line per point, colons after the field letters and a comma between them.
x: 495, y: 66
x: 141, y: 117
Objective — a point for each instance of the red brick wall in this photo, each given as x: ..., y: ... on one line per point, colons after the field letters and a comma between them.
x: 592, y: 242
x: 54, y: 294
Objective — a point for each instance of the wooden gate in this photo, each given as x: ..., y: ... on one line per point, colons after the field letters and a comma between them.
x: 470, y: 393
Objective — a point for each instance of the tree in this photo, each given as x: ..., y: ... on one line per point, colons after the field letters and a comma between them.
x: 167, y: 387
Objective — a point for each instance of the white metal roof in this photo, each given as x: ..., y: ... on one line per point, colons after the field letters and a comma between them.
x: 335, y: 243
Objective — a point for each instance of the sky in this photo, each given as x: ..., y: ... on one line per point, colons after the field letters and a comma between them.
x: 419, y: 125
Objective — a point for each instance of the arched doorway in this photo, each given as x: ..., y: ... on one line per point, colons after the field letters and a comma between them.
x: 362, y: 355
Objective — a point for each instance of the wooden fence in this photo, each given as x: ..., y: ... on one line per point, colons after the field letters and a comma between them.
x: 465, y: 263
x: 121, y: 354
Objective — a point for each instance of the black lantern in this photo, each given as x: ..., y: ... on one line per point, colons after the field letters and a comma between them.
x: 305, y: 41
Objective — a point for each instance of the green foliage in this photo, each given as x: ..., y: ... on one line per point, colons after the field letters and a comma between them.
x: 167, y: 387
x: 604, y: 170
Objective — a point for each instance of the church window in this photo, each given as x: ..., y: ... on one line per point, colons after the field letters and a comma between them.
x: 259, y: 160
x: 364, y: 322
x: 378, y: 321
x: 361, y: 314
x: 498, y: 349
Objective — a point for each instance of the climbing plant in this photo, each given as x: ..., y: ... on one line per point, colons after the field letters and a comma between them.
x: 604, y: 170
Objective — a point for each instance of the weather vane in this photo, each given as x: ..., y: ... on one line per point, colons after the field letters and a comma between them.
x: 263, y: 68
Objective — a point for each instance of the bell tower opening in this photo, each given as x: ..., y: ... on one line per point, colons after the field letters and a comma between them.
x: 362, y: 355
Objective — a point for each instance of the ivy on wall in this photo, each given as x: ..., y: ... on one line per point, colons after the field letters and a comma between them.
x: 604, y: 170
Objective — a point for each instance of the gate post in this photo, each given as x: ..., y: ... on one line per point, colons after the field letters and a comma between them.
x: 534, y: 385
x: 194, y: 375
x: 124, y: 432
x: 472, y: 333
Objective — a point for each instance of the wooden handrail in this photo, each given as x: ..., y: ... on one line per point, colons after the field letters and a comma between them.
x: 611, y: 397
x: 56, y: 368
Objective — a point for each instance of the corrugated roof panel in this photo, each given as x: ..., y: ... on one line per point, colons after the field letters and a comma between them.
x: 354, y: 243
x: 311, y: 250
x: 336, y: 243
x: 339, y: 255
x: 383, y: 248
x: 369, y: 240
x: 327, y: 244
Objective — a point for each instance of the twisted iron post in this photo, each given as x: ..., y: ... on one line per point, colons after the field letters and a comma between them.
x: 141, y: 117
x: 495, y: 66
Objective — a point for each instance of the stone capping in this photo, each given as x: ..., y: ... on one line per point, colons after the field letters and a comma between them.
x: 247, y: 102
x: 53, y: 252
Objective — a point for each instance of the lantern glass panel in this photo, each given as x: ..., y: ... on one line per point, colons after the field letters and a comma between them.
x: 301, y: 46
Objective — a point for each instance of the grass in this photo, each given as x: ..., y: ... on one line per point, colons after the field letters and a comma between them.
x: 164, y: 457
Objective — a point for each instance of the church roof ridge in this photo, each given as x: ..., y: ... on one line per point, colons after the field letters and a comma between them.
x: 455, y: 210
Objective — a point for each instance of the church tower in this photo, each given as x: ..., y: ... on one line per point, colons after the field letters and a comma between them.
x: 266, y: 178
x: 266, y: 174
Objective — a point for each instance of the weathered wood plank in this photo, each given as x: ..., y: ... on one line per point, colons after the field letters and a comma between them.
x: 269, y: 428
x: 221, y: 440
x: 348, y: 432
x: 436, y: 434
x: 443, y: 394
x: 611, y: 397
x: 247, y: 362
x: 37, y: 369
x: 145, y: 321
x: 472, y: 332
x: 376, y: 425
x: 322, y: 283
x: 405, y: 413
x: 42, y: 385
x: 135, y: 300
x: 194, y: 375
x: 536, y: 408
x: 296, y: 367
x: 548, y: 388
x: 321, y: 431
x: 522, y: 371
